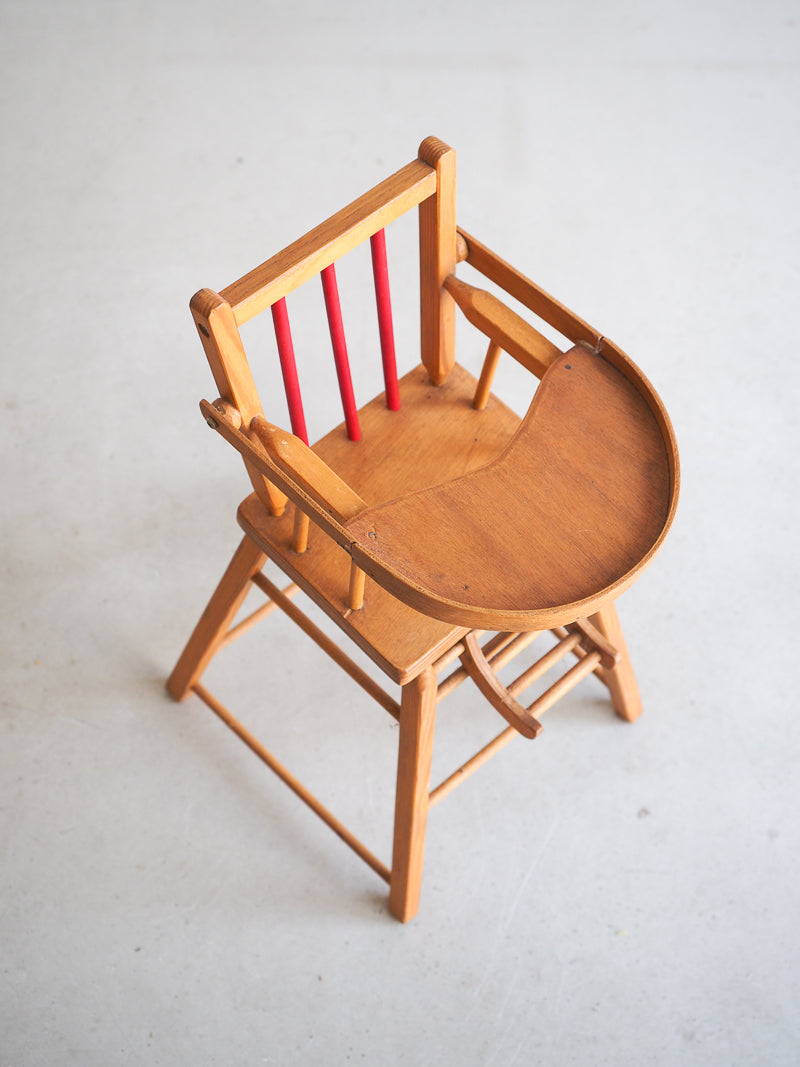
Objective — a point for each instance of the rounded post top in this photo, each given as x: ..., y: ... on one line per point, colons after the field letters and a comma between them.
x: 432, y: 150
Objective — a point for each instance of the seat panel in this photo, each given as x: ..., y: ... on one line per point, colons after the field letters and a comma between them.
x: 436, y: 436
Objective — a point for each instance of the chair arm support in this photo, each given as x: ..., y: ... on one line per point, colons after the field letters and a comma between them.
x: 291, y: 465
x: 307, y: 470
x: 513, y: 282
x: 512, y: 333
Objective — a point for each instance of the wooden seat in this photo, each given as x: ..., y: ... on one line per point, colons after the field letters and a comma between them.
x: 398, y: 638
x: 440, y: 532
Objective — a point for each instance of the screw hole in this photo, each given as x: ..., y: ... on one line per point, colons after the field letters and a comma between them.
x: 202, y: 330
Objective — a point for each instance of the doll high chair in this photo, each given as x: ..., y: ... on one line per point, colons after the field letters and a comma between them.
x: 433, y: 526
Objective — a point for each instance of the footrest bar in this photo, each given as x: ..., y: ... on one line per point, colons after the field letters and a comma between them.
x: 543, y: 665
x: 327, y: 645
x: 565, y: 683
x: 457, y: 777
x: 599, y: 672
x: 255, y: 617
x: 294, y: 784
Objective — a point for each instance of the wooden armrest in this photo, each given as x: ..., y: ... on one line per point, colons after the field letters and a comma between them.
x: 307, y: 470
x: 529, y: 294
x: 307, y: 480
x: 503, y: 326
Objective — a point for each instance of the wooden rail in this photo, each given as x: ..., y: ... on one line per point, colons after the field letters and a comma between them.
x: 287, y: 270
x: 294, y: 784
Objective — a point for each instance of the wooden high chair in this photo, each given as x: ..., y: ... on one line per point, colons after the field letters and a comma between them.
x: 435, y: 527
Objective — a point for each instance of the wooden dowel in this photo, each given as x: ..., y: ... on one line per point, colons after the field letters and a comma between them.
x: 580, y: 652
x: 454, y: 653
x: 333, y: 308
x: 294, y: 784
x: 300, y: 531
x: 484, y: 386
x: 448, y: 657
x: 511, y: 648
x: 383, y: 300
x: 253, y: 618
x: 327, y: 645
x: 543, y: 665
x: 564, y: 684
x: 291, y: 383
x: 355, y: 596
x: 468, y: 768
x: 453, y: 680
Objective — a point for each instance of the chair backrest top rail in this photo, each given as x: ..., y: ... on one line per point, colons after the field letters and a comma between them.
x: 339, y: 234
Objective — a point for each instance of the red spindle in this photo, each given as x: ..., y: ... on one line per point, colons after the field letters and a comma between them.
x: 334, y: 309
x: 283, y: 335
x: 383, y: 299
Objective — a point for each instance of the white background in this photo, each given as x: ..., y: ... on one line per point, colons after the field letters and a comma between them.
x: 614, y: 894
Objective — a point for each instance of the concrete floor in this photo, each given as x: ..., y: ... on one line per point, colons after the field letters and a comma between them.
x: 613, y: 894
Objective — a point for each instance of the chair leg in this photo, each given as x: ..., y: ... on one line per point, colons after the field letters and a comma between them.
x: 417, y: 717
x: 620, y: 680
x: 215, y: 621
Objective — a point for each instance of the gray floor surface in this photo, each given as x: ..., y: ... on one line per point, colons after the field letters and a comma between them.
x: 611, y: 894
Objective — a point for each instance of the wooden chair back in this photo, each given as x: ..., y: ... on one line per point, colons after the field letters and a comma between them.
x: 429, y: 183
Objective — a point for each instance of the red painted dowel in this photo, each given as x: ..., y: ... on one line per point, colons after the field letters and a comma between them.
x: 283, y: 335
x: 383, y: 299
x: 331, y: 291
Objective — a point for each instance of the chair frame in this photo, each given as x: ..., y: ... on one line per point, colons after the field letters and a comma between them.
x: 283, y: 468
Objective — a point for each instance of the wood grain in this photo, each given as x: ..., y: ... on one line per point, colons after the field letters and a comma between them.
x: 435, y: 436
x: 503, y: 326
x: 437, y: 259
x: 529, y: 294
x: 565, y: 519
x: 290, y: 268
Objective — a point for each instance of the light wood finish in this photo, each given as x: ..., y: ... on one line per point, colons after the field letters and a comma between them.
x: 307, y: 470
x: 300, y: 533
x: 542, y: 665
x: 256, y: 457
x: 484, y: 387
x: 222, y: 344
x: 415, y: 751
x: 499, y: 651
x: 216, y: 619
x: 338, y: 235
x: 564, y: 684
x: 437, y: 243
x: 255, y: 617
x: 329, y: 647
x: 466, y: 769
x: 294, y: 784
x: 355, y: 596
x: 504, y: 326
x: 435, y: 435
x: 585, y: 490
x: 620, y: 678
x: 224, y: 350
x: 596, y: 638
x: 478, y: 668
x: 467, y: 519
